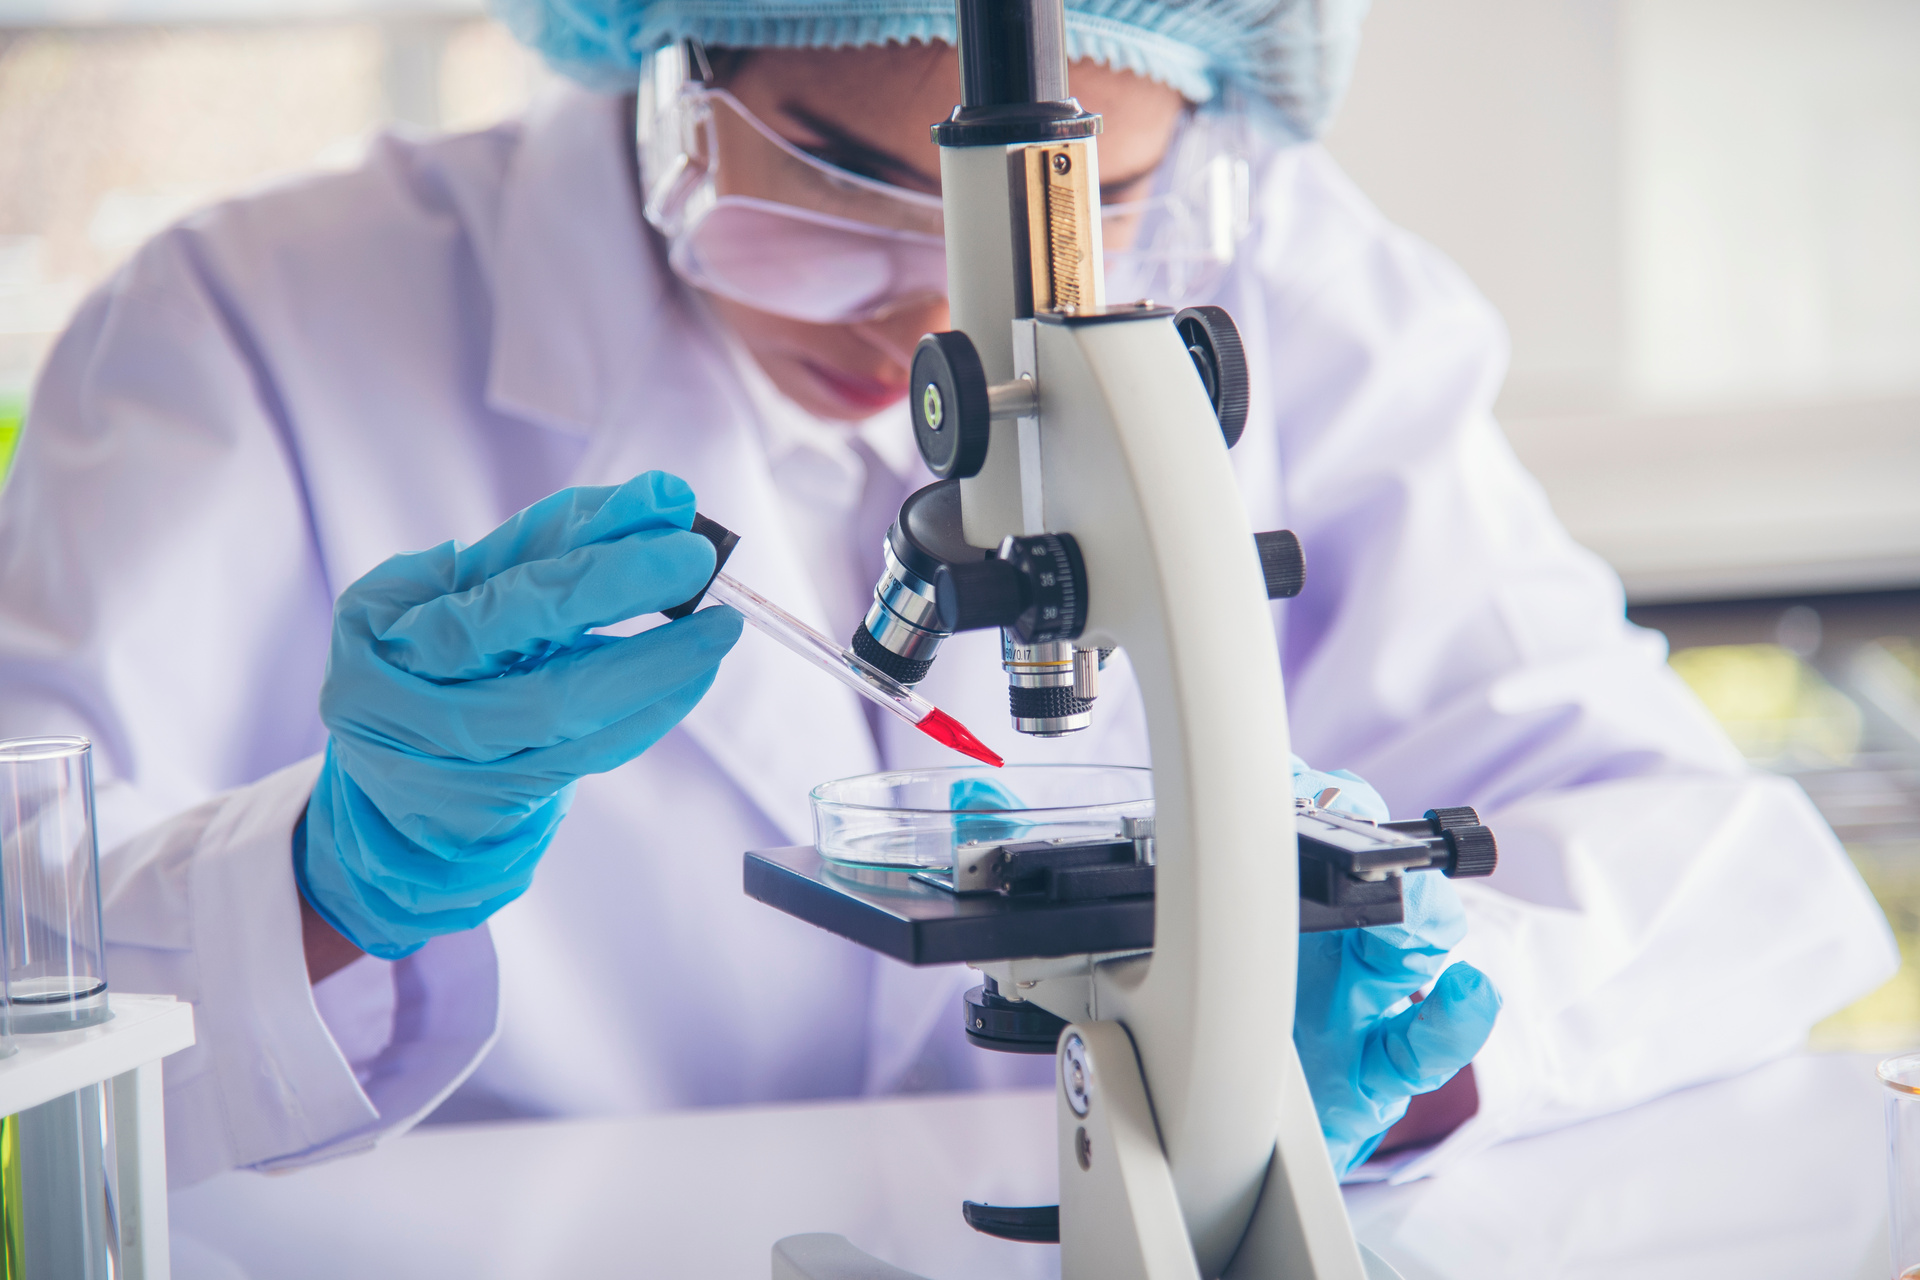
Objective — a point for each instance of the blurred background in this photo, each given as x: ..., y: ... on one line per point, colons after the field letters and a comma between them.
x: 1701, y: 219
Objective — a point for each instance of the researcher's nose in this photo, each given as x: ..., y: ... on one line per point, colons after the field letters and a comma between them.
x: 897, y: 332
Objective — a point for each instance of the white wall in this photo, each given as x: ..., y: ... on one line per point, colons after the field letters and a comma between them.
x: 1701, y: 219
x: 1772, y: 198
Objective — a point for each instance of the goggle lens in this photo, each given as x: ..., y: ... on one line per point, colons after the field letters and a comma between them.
x: 750, y: 217
x: 806, y: 265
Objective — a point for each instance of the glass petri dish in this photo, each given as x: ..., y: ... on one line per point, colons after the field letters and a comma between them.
x: 911, y: 819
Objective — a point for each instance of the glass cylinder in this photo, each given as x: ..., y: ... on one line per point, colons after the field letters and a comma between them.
x: 57, y: 1202
x: 1901, y: 1076
x: 56, y: 976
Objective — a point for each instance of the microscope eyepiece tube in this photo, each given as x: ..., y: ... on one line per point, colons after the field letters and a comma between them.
x: 1013, y: 77
x: 1012, y: 52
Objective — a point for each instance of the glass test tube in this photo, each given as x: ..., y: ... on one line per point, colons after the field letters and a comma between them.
x: 57, y: 1213
x: 836, y: 660
x: 1901, y: 1078
x: 50, y: 867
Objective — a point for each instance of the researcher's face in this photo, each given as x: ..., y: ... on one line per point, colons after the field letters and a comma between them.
x: 869, y: 110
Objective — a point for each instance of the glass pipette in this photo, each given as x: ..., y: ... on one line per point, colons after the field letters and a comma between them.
x: 849, y: 668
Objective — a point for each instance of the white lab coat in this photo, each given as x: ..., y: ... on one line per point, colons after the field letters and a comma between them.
x: 287, y: 388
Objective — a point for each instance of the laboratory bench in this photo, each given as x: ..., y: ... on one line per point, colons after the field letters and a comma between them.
x: 1778, y: 1174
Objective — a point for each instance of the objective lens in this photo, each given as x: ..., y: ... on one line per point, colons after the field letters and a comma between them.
x: 1040, y: 688
x: 901, y: 632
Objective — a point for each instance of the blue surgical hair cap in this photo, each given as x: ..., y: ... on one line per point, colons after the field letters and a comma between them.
x: 1291, y: 59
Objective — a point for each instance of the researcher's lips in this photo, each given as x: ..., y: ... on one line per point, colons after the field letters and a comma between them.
x: 857, y: 391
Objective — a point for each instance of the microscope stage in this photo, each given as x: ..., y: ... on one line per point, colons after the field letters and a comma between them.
x: 896, y: 915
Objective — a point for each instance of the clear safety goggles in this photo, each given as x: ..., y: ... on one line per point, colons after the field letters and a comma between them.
x: 751, y: 217
x: 1175, y: 244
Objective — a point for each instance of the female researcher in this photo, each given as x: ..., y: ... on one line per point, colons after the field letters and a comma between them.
x: 310, y: 746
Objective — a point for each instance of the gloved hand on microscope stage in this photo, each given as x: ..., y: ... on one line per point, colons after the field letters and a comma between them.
x: 1354, y: 795
x: 1366, y: 1051
x: 464, y: 697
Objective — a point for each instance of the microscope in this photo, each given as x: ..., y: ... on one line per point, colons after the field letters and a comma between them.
x: 1086, y: 503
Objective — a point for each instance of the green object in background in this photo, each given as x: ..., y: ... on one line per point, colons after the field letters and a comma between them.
x: 1779, y: 711
x: 12, y: 412
x: 1785, y: 716
x: 1887, y: 1020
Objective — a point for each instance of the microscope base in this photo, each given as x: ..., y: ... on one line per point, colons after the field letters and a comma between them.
x: 1111, y: 1165
x: 1120, y: 1216
x: 822, y: 1256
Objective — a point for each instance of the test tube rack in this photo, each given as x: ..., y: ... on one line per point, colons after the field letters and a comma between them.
x: 124, y: 1052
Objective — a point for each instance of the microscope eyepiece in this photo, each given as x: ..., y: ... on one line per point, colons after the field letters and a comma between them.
x: 1013, y: 77
x: 1012, y: 52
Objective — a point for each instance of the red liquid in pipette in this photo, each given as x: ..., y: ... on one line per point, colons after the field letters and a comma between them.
x: 944, y: 729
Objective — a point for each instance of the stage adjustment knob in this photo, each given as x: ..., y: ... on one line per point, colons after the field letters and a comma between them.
x: 1474, y: 852
x: 1459, y: 815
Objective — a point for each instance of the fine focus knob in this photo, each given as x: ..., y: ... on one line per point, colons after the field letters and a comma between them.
x: 947, y: 393
x: 1474, y: 852
x: 1214, y: 343
x: 1282, y: 563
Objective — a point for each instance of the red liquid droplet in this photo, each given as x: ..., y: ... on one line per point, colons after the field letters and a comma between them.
x: 943, y: 728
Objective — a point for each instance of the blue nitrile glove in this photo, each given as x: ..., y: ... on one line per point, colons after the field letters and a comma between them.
x: 982, y: 795
x: 1357, y: 797
x: 465, y: 697
x: 1365, y: 1049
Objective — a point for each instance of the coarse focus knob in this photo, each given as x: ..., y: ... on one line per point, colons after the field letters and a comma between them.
x: 1282, y: 563
x: 985, y: 594
x: 1055, y: 579
x: 947, y: 393
x: 1035, y: 587
x: 1474, y: 852
x: 1214, y: 343
x: 1011, y: 1026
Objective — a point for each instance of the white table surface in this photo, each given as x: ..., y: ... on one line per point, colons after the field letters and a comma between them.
x: 1778, y: 1173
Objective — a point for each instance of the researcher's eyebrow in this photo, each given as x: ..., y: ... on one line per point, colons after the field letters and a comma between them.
x: 1112, y: 188
x: 843, y: 150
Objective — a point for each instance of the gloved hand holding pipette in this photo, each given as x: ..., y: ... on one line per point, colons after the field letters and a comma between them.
x: 848, y: 667
x: 465, y: 695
